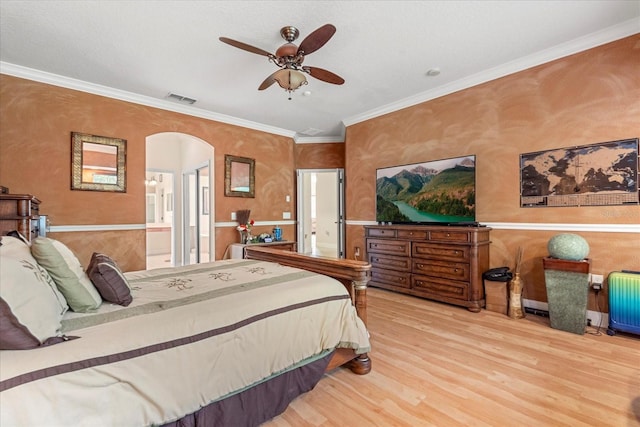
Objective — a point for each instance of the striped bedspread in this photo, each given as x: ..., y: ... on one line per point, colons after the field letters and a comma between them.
x: 192, y: 335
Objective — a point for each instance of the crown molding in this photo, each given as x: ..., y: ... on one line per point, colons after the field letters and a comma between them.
x: 69, y: 83
x: 616, y: 32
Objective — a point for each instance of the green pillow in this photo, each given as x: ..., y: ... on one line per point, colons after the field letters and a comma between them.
x: 67, y: 273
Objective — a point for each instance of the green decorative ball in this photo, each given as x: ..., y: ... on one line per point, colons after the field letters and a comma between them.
x: 568, y: 246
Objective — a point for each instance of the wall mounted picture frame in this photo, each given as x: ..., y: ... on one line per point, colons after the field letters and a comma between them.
x: 98, y: 163
x: 239, y: 176
x: 602, y: 174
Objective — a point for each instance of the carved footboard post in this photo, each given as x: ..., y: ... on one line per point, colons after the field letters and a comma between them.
x: 360, y: 298
x: 354, y: 275
x: 361, y: 365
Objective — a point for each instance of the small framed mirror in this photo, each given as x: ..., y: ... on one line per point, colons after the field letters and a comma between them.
x: 239, y: 176
x: 98, y: 163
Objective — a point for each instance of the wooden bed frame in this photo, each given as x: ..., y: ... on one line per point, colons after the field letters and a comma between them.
x: 354, y: 275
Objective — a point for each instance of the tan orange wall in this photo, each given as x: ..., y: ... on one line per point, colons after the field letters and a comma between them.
x: 590, y: 97
x: 36, y: 121
x: 319, y: 156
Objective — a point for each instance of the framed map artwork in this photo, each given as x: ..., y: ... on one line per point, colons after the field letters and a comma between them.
x: 602, y: 174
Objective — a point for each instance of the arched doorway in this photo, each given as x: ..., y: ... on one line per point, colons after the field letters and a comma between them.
x: 183, y: 205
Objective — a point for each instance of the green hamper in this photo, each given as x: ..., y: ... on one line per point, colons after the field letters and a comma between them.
x: 567, y: 285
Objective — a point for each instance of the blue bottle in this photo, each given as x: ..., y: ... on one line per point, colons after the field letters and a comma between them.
x: 277, y: 233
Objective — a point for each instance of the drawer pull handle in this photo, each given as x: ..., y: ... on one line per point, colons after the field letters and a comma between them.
x: 448, y: 235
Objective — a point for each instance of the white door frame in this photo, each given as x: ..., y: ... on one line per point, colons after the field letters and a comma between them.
x: 186, y: 195
x: 303, y: 206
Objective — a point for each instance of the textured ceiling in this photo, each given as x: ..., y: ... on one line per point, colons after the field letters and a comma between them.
x: 142, y: 50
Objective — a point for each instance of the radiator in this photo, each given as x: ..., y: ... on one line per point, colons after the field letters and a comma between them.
x: 624, y: 302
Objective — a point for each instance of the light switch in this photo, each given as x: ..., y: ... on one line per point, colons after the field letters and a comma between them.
x: 286, y: 215
x: 233, y: 216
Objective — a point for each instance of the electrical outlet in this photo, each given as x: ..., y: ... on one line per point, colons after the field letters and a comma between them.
x: 597, y: 278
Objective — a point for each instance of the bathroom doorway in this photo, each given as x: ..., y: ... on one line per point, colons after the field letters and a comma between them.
x: 180, y: 156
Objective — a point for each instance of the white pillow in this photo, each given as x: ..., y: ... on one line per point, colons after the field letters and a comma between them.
x: 31, y: 306
x: 66, y: 271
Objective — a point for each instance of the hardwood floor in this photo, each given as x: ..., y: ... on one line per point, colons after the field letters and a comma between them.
x: 439, y: 365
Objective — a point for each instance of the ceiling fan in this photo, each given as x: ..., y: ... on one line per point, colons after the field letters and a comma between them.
x: 289, y: 58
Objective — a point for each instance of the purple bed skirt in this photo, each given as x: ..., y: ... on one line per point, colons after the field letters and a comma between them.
x: 260, y: 403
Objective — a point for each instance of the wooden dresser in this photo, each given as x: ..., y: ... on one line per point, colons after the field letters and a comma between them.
x: 19, y: 212
x: 443, y: 263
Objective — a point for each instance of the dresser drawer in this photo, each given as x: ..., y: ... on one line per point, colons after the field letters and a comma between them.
x: 391, y: 262
x: 439, y: 251
x: 392, y: 247
x: 441, y: 287
x: 450, y: 236
x: 381, y: 232
x: 413, y: 234
x: 449, y: 270
x: 390, y: 277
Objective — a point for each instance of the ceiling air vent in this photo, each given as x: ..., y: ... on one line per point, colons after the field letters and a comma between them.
x: 311, y: 131
x: 181, y: 99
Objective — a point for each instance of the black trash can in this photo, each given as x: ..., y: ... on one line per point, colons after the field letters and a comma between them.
x: 496, y: 289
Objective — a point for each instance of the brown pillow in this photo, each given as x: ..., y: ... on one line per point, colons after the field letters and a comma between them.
x: 109, y: 280
x: 13, y: 334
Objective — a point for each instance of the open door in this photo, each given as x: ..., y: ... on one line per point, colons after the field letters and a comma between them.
x: 320, y: 212
x: 197, y: 205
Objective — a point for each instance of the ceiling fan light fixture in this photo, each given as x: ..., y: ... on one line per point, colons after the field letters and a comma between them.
x: 289, y: 79
x: 289, y: 58
x: 287, y: 49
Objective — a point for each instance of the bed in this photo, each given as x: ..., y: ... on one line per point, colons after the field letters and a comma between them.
x: 227, y: 343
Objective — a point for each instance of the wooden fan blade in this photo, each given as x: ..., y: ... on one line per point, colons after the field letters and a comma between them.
x: 324, y: 75
x: 317, y: 39
x: 268, y: 81
x: 245, y: 46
